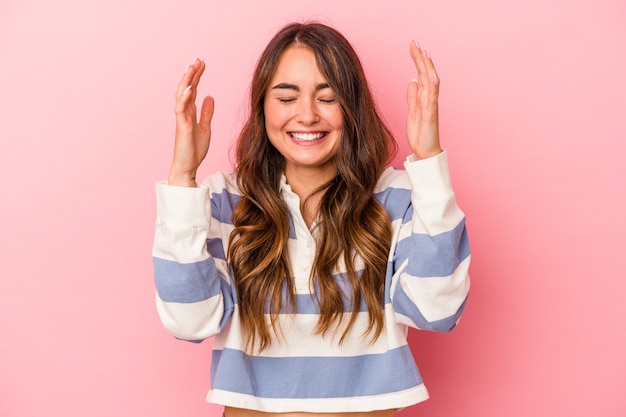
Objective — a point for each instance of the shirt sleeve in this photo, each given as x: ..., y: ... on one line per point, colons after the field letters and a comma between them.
x: 190, y: 283
x: 432, y: 255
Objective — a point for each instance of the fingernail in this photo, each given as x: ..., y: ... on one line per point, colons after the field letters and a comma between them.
x: 187, y: 90
x: 427, y: 54
x: 414, y: 80
x: 417, y: 43
x: 187, y: 69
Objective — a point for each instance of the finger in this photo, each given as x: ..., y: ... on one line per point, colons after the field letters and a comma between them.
x: 187, y: 87
x: 206, y: 114
x: 431, y: 72
x: 418, y: 58
x: 185, y: 81
x: 196, y: 80
x: 199, y: 70
x: 431, y: 93
x: 412, y: 98
x: 413, y: 112
x: 188, y: 77
x: 413, y: 48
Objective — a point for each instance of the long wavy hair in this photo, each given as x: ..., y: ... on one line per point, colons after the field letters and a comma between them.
x: 353, y: 228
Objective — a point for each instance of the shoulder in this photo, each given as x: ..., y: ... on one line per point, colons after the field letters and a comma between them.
x: 221, y: 181
x: 223, y: 193
x: 393, y: 178
x: 393, y: 191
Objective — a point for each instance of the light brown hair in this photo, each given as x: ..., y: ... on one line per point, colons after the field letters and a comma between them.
x: 352, y: 224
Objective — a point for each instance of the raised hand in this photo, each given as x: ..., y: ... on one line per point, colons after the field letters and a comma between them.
x: 422, y: 122
x: 192, y: 136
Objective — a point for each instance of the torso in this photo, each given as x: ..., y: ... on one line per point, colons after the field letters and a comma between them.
x: 322, y: 377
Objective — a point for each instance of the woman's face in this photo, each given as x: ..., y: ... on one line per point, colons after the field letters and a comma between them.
x: 302, y: 116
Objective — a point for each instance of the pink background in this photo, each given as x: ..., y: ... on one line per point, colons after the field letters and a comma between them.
x: 533, y: 113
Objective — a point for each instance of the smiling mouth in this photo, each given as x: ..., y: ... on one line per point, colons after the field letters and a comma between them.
x: 307, y: 137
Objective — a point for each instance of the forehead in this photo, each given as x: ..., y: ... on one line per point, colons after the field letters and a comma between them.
x: 297, y: 63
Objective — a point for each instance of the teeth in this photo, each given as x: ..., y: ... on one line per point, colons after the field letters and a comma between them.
x: 307, y: 136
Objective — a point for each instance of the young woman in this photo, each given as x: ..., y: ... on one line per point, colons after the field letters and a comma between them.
x: 311, y: 260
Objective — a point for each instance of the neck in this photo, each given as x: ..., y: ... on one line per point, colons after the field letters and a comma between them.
x: 304, y: 182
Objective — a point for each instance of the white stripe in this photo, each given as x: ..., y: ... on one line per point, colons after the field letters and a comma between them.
x: 447, y: 217
x: 183, y: 245
x: 396, y: 400
x: 433, y: 217
x: 299, y: 340
x: 192, y: 321
x: 395, y: 178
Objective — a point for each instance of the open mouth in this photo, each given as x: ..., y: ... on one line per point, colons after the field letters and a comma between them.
x: 307, y: 137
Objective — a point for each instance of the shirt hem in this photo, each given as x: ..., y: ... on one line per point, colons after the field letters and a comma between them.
x: 394, y: 400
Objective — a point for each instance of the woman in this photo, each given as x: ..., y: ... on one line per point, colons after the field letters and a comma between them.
x: 309, y: 262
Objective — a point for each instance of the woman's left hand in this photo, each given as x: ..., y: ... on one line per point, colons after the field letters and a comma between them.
x: 422, y: 122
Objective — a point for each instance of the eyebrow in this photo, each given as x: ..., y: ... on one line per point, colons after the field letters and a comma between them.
x: 287, y: 86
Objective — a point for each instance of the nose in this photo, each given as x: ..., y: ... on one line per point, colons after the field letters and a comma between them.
x: 307, y: 112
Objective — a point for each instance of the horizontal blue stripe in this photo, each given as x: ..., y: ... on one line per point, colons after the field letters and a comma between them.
x: 222, y: 205
x: 396, y: 201
x: 198, y: 281
x: 185, y: 283
x: 215, y: 247
x: 402, y: 304
x: 314, y: 377
x: 434, y: 256
x: 308, y: 303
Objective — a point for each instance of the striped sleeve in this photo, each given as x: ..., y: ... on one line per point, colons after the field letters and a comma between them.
x: 190, y: 282
x: 432, y: 255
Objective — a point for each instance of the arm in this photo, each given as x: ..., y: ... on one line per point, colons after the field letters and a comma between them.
x: 432, y: 256
x: 190, y: 283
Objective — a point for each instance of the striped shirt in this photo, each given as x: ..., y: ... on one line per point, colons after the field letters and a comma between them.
x: 426, y: 287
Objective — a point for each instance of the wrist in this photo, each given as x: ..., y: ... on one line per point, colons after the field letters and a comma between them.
x: 427, y: 153
x: 182, y: 179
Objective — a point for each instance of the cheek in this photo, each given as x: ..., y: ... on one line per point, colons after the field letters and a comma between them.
x: 275, y: 117
x: 334, y: 117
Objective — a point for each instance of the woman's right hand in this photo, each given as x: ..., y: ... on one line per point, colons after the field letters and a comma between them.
x: 192, y: 136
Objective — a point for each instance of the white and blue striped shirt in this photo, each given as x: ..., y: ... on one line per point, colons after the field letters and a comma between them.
x: 426, y: 287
